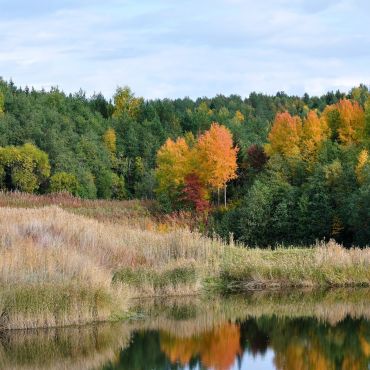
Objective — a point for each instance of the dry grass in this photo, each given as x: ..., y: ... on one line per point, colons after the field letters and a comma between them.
x: 60, y: 268
x: 325, y: 264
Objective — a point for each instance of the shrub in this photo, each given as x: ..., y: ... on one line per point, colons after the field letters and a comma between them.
x: 64, y: 182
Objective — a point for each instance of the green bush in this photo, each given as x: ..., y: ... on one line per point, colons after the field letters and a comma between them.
x: 63, y: 181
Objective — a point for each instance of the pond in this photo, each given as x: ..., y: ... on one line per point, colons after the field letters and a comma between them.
x: 261, y: 330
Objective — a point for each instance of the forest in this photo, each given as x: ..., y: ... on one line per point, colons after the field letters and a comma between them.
x: 263, y: 170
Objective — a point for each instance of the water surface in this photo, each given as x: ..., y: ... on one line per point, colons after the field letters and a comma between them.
x: 273, y: 330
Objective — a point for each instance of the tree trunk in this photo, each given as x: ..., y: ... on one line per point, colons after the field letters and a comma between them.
x: 225, y: 194
x: 218, y: 197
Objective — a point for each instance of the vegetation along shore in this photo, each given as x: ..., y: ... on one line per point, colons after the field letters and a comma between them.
x: 61, y: 267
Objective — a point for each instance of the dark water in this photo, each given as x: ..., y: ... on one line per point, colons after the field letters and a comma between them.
x: 298, y: 331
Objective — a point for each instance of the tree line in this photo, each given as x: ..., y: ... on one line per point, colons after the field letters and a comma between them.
x: 295, y: 168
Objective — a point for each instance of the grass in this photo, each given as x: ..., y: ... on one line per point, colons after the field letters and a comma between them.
x: 65, y: 265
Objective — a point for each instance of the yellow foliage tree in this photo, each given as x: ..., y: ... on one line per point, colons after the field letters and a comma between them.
x: 239, y: 116
x: 346, y: 120
x: 363, y: 160
x: 285, y: 135
x: 110, y: 139
x: 172, y: 164
x: 314, y: 132
x: 352, y: 122
x: 125, y: 102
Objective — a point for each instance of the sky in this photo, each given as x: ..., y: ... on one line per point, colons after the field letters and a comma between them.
x: 178, y: 48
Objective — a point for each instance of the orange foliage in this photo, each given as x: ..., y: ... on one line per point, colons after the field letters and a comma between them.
x: 212, y: 159
x: 217, y: 348
x: 284, y: 137
x: 216, y: 156
x: 222, y: 345
x: 346, y: 120
x: 352, y: 123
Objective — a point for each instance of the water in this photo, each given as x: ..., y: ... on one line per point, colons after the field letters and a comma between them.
x: 300, y: 330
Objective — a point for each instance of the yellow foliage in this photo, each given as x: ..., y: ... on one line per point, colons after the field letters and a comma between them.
x: 239, y: 116
x: 172, y: 164
x: 363, y: 160
x: 110, y: 140
x: 125, y: 102
x: 346, y: 120
x: 284, y: 137
x: 314, y: 132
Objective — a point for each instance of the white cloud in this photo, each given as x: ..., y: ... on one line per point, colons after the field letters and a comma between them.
x: 173, y: 49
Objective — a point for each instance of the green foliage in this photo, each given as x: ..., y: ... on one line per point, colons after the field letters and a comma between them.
x: 64, y: 182
x: 23, y: 168
x: 110, y: 147
x: 118, y: 187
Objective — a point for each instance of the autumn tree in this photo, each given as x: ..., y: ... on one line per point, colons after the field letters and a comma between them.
x: 285, y: 135
x: 216, y: 157
x: 110, y: 141
x: 346, y: 120
x: 194, y: 193
x: 314, y: 132
x: 125, y: 102
x: 256, y: 157
x: 172, y: 166
x: 367, y: 123
x: 363, y: 160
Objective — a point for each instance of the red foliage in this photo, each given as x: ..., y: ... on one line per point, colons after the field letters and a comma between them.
x: 194, y: 193
x: 257, y: 157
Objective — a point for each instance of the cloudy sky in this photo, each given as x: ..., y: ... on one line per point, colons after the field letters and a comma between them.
x: 177, y: 48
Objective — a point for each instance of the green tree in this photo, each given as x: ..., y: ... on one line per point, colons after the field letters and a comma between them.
x: 64, y: 182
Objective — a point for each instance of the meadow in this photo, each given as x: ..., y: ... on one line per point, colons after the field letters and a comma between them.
x: 66, y: 261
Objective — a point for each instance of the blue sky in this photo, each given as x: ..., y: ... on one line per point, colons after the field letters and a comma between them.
x: 177, y: 48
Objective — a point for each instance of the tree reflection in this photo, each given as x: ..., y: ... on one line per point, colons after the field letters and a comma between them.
x: 217, y: 348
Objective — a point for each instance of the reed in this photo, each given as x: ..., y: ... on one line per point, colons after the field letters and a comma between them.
x: 61, y: 268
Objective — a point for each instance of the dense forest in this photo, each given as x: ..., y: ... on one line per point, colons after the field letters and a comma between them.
x: 301, y: 171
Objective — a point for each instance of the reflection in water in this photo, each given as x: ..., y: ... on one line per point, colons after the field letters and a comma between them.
x: 217, y: 348
x: 296, y: 344
x: 325, y: 330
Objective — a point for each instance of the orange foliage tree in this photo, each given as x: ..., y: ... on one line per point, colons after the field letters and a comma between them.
x: 212, y: 159
x: 216, y: 157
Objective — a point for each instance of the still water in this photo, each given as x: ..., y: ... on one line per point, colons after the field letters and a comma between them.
x: 301, y: 330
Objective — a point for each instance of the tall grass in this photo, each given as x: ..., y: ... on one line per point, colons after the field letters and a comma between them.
x: 61, y: 268
x: 325, y: 264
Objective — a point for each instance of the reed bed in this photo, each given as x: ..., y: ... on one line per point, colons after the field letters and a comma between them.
x: 61, y: 268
